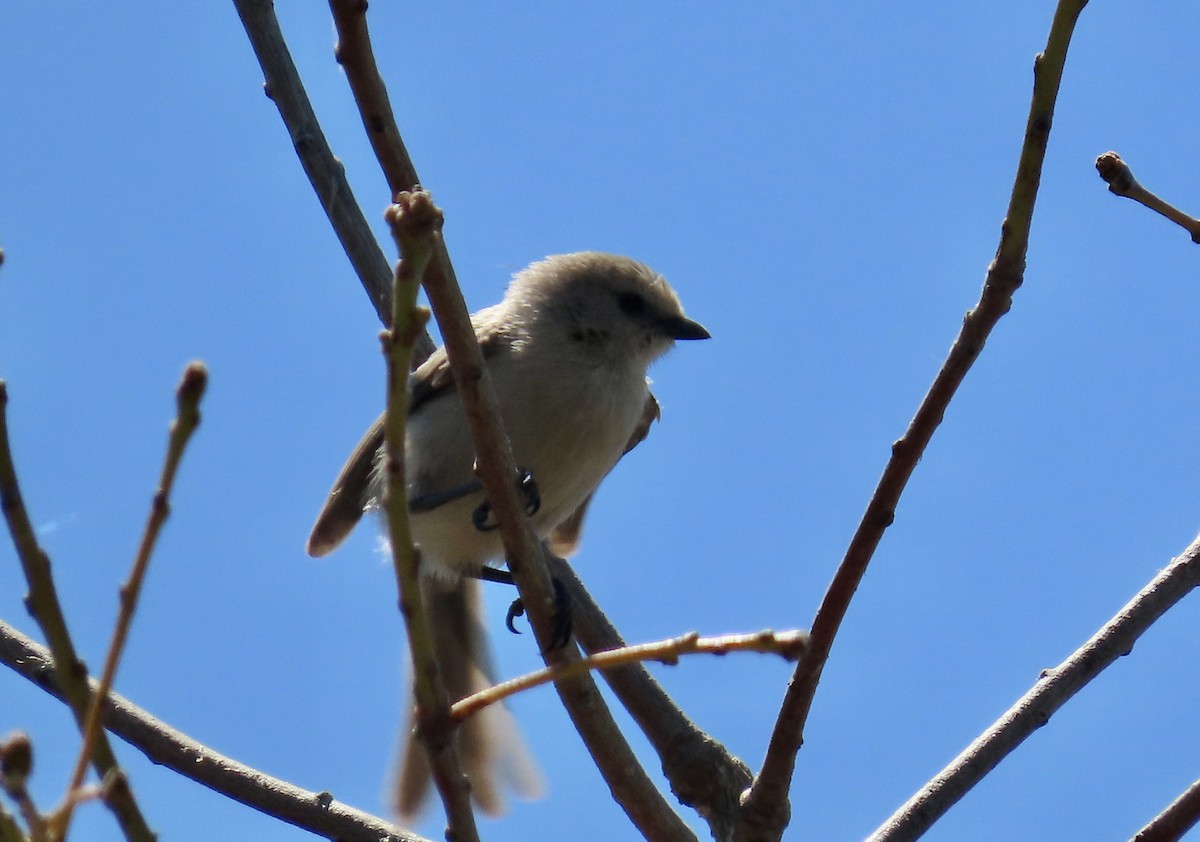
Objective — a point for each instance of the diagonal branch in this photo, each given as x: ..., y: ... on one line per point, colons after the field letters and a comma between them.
x: 187, y: 396
x: 42, y: 602
x: 357, y: 58
x: 316, y: 812
x: 701, y: 772
x: 766, y: 812
x: 1181, y: 815
x: 1054, y: 688
x: 324, y: 171
x: 497, y: 470
x: 1120, y: 180
x: 414, y: 223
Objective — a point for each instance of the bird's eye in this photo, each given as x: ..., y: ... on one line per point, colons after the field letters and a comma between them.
x: 631, y: 303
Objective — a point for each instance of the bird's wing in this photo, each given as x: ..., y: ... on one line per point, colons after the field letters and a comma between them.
x: 564, y: 538
x: 347, y: 499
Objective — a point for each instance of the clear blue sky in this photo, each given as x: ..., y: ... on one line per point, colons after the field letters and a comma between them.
x: 822, y: 184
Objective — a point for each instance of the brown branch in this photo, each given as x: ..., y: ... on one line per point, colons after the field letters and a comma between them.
x: 324, y: 170
x: 1054, y: 688
x: 316, y: 812
x: 16, y: 762
x: 1122, y: 183
x: 496, y: 468
x: 766, y: 811
x: 191, y: 389
x: 414, y: 222
x: 1181, y: 815
x: 42, y: 602
x: 789, y: 644
x: 701, y: 772
x: 356, y: 56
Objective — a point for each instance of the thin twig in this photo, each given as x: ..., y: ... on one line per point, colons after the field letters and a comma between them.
x: 766, y: 811
x: 414, y: 222
x: 789, y: 644
x: 42, y: 602
x: 630, y: 785
x: 1053, y: 689
x: 1121, y: 182
x: 316, y: 812
x: 1171, y: 824
x: 187, y: 419
x: 357, y: 58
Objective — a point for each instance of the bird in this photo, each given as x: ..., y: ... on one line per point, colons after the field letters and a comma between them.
x: 567, y: 350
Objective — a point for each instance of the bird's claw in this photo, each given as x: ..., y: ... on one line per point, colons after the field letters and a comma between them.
x: 482, y: 518
x: 561, y: 634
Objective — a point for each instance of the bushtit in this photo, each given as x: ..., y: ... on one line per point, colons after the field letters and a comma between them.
x: 567, y: 350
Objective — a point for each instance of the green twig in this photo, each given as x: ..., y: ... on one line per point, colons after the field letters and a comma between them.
x: 414, y: 222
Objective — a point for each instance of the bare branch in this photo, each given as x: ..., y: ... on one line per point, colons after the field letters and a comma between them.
x: 788, y: 644
x: 701, y: 772
x: 414, y: 222
x: 1172, y: 823
x: 628, y: 782
x: 1054, y: 688
x: 316, y: 812
x: 42, y: 602
x: 1121, y: 182
x: 765, y: 811
x: 357, y: 58
x: 630, y: 785
x: 324, y: 171
x: 191, y: 389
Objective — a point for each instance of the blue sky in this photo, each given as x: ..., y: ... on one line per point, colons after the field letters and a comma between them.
x: 824, y: 187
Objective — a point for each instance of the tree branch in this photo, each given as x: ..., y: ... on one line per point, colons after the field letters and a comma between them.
x: 497, y: 470
x: 790, y: 645
x: 316, y: 812
x: 1122, y: 183
x: 324, y: 171
x: 356, y: 56
x: 701, y: 772
x: 765, y: 810
x: 42, y: 602
x: 414, y: 222
x: 1054, y: 688
x: 1172, y: 823
x: 191, y: 389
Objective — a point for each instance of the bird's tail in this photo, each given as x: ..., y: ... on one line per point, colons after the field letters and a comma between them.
x: 493, y: 755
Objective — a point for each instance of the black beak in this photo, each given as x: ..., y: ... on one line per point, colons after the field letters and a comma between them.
x: 677, y: 327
